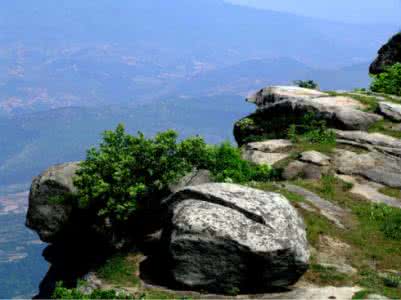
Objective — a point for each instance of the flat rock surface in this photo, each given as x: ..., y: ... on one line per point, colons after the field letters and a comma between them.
x: 316, y: 158
x: 374, y: 139
x: 274, y: 94
x: 327, y: 209
x: 375, y: 166
x: 270, y: 145
x: 340, y: 101
x: 370, y: 191
x: 263, y: 158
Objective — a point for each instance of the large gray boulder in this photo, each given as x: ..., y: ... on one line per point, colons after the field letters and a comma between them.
x: 390, y: 110
x: 279, y: 107
x: 388, y: 55
x: 49, y: 211
x: 225, y: 237
x: 374, y: 166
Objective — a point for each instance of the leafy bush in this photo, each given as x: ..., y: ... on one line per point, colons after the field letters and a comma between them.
x: 308, y: 84
x: 129, y: 172
x: 311, y: 130
x: 388, y: 82
x: 389, y: 219
x: 63, y: 293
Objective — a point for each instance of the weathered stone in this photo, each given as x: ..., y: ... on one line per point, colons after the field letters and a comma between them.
x: 275, y: 94
x: 276, y: 113
x: 294, y: 169
x: 388, y: 55
x: 315, y: 157
x: 224, y: 236
x: 263, y: 158
x: 390, y: 110
x: 375, y: 166
x: 49, y: 212
x: 270, y: 146
x: 370, y: 191
x: 298, y: 169
x: 338, y: 101
x: 333, y: 253
x: 329, y: 210
x: 372, y: 139
x: 196, y: 177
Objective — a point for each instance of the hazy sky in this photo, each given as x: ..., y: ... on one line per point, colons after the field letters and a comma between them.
x: 355, y: 11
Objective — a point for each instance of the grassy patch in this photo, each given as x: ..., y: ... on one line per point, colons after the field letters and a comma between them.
x: 120, y: 270
x: 323, y: 275
x: 384, y: 127
x: 272, y: 187
x: 391, y: 192
x: 373, y: 235
x: 361, y: 295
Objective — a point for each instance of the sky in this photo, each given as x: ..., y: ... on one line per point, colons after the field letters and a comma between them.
x: 350, y: 11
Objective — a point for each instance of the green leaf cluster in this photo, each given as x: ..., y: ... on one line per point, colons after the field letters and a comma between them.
x: 389, y: 219
x: 307, y: 84
x: 127, y: 173
x: 311, y: 130
x: 388, y: 82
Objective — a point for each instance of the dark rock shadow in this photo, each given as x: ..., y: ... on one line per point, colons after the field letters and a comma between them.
x: 70, y: 260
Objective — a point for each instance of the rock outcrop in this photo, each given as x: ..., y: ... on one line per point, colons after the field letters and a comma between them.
x: 279, y: 107
x: 267, y: 152
x: 388, y: 55
x: 390, y: 110
x: 224, y: 237
x: 49, y: 212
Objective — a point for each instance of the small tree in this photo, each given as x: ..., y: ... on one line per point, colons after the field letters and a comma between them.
x: 129, y: 172
x: 388, y: 82
x: 308, y: 84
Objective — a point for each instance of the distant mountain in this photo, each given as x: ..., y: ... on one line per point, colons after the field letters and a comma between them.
x: 57, y: 54
x: 254, y: 74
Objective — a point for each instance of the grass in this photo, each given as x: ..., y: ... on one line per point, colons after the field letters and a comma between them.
x: 383, y: 127
x: 391, y: 192
x: 121, y: 270
x: 323, y: 276
x: 373, y: 250
x: 361, y: 295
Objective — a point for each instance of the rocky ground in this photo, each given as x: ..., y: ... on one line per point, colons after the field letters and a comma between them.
x: 343, y: 179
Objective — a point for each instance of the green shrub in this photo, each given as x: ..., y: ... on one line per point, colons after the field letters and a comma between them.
x: 307, y: 84
x: 389, y: 219
x: 128, y: 172
x: 63, y: 293
x: 388, y: 82
x: 392, y: 280
x: 311, y: 130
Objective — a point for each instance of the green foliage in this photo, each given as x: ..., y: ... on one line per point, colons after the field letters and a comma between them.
x: 128, y: 172
x: 311, y: 130
x: 308, y: 84
x: 395, y: 193
x: 226, y: 165
x: 328, y: 275
x: 328, y: 185
x: 389, y: 219
x: 389, y: 81
x: 392, y: 280
x: 119, y: 269
x: 63, y: 293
